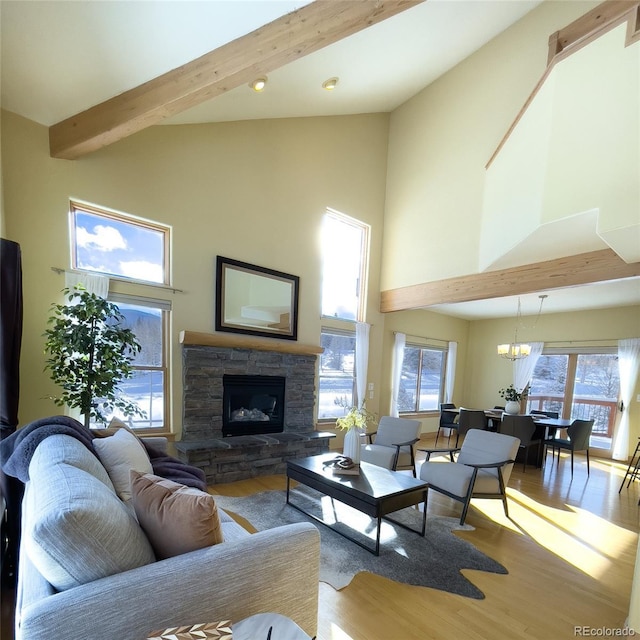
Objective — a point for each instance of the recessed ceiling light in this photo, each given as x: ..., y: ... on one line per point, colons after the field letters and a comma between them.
x: 330, y: 84
x: 259, y: 84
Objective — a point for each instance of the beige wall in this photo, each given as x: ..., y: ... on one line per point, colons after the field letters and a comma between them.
x: 441, y: 140
x: 254, y: 191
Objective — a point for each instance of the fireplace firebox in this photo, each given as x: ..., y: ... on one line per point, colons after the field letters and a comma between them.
x: 252, y: 405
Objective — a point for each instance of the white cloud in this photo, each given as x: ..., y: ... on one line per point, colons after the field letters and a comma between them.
x: 142, y: 270
x: 104, y: 238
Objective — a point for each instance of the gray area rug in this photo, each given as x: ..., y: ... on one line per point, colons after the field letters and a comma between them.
x: 433, y: 561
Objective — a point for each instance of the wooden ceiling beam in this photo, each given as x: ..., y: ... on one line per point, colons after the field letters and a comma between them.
x: 591, y: 26
x: 280, y: 42
x: 585, y: 268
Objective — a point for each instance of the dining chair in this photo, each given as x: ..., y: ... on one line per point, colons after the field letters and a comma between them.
x: 524, y: 428
x: 392, y: 447
x: 551, y: 431
x: 447, y: 420
x: 470, y: 419
x: 481, y: 470
x: 548, y: 414
x: 578, y: 436
x: 494, y: 423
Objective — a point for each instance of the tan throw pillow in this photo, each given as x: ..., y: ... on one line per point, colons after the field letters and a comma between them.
x: 176, y: 518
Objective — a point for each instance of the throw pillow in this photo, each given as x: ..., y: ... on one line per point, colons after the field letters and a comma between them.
x: 120, y: 453
x: 176, y: 518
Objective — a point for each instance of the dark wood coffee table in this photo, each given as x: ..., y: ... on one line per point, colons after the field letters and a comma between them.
x: 376, y: 492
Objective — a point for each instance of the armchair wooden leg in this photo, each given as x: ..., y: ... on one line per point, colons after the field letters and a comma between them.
x: 505, y: 505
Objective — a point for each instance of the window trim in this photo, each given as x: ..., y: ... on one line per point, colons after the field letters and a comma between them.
x: 365, y: 247
x: 110, y: 214
x: 426, y: 344
x: 165, y: 308
x: 349, y: 333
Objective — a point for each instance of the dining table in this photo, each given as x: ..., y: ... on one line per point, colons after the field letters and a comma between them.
x: 548, y: 426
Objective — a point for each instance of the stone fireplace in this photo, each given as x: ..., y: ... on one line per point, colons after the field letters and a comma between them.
x: 259, y: 388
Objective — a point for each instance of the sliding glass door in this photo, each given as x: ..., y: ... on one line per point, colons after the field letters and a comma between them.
x: 583, y: 386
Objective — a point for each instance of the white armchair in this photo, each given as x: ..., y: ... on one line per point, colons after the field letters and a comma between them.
x: 392, y: 447
x: 481, y: 470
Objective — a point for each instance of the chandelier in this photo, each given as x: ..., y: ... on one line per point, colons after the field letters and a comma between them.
x: 514, y: 350
x: 517, y: 350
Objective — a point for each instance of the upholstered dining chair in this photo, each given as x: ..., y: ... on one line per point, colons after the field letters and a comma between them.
x: 578, y: 436
x: 481, y: 470
x: 470, y: 419
x: 494, y: 423
x: 447, y: 420
x: 551, y: 431
x: 526, y: 430
x: 391, y: 446
x: 548, y: 414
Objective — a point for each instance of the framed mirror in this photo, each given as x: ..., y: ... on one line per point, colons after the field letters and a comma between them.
x: 256, y: 300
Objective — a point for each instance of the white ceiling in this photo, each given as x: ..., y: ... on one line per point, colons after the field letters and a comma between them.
x: 60, y: 57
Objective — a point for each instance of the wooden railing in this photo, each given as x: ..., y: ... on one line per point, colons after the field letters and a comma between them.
x: 602, y: 412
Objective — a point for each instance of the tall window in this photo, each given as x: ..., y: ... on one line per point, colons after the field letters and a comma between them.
x: 345, y: 249
x: 148, y: 319
x: 422, y: 379
x: 121, y: 246
x: 583, y: 386
x: 337, y: 373
x: 118, y: 245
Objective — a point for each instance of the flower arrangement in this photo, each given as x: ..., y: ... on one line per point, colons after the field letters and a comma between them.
x: 356, y: 417
x: 510, y: 394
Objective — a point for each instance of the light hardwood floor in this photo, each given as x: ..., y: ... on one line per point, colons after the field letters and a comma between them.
x: 569, y: 547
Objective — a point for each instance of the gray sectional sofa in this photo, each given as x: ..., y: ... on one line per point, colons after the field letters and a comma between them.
x: 78, y: 535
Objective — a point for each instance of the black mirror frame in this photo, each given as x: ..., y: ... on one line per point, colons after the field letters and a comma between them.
x: 222, y: 264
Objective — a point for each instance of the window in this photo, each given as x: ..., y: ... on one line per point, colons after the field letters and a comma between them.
x: 130, y: 249
x: 345, y: 249
x: 148, y: 387
x: 422, y: 379
x: 118, y: 245
x: 337, y: 373
x: 579, y: 385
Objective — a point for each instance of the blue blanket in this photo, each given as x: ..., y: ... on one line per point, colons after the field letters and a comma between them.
x: 17, y: 450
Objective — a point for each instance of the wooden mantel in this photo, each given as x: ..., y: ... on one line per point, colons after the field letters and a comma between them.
x: 233, y: 341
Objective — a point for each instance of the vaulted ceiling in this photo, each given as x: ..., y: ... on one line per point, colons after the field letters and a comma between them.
x: 60, y: 59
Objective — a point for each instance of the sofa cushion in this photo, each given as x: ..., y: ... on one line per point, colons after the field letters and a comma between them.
x: 176, y: 518
x: 120, y: 454
x: 75, y: 528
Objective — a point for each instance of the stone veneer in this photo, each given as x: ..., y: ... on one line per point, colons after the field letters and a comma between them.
x: 205, y: 359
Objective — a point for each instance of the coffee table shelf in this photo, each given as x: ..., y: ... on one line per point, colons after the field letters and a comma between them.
x: 376, y: 492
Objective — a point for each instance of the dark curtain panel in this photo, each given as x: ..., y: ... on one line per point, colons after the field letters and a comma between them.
x: 10, y: 334
x: 10, y: 344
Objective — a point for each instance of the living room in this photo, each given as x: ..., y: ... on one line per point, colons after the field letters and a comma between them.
x: 257, y: 191
x: 208, y: 181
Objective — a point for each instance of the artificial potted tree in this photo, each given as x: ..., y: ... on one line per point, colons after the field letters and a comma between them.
x: 90, y: 353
